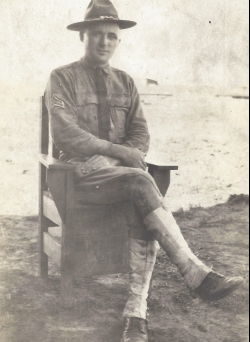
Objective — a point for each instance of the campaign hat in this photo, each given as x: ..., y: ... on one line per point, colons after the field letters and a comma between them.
x: 101, y: 11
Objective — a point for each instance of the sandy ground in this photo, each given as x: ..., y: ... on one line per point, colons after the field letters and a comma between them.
x: 30, y: 309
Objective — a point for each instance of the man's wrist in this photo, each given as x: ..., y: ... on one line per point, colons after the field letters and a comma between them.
x: 113, y: 161
x: 116, y: 151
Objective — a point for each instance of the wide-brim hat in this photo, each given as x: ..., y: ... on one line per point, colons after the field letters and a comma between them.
x: 101, y: 11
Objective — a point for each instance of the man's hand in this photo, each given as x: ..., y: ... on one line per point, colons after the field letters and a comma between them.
x: 93, y: 164
x: 132, y: 157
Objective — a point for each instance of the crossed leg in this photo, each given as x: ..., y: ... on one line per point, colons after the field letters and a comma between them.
x: 150, y: 223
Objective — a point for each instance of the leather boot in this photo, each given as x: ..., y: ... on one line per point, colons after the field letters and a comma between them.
x: 199, y: 278
x: 135, y: 330
x: 142, y: 260
x: 216, y: 287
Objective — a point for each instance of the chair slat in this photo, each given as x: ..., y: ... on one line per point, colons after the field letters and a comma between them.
x: 49, y: 209
x: 52, y: 248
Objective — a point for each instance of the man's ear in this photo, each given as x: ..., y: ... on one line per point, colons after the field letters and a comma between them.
x: 81, y: 34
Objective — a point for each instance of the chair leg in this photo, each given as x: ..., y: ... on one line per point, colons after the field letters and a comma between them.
x: 42, y: 257
x: 67, y: 270
x: 43, y: 225
x: 66, y: 299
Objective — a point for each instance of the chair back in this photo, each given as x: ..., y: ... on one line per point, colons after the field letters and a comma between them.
x: 46, y: 144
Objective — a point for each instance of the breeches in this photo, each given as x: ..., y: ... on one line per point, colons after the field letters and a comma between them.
x: 133, y: 191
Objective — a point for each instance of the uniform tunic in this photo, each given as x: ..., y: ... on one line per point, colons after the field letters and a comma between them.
x: 72, y: 101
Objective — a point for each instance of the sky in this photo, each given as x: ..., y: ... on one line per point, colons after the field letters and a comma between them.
x: 175, y: 42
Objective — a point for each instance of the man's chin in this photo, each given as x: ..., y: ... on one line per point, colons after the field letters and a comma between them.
x: 101, y: 59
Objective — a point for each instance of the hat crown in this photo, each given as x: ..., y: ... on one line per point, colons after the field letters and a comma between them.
x: 101, y: 11
x: 100, y: 8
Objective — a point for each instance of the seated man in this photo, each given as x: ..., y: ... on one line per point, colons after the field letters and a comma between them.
x: 97, y: 122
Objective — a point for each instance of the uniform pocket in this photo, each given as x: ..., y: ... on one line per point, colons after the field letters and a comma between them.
x: 87, y: 110
x: 85, y: 99
x: 120, y: 105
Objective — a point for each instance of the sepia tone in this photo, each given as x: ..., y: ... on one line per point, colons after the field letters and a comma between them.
x: 190, y: 64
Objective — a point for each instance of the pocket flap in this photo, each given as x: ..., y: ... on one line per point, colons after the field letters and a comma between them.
x: 120, y: 101
x: 83, y: 100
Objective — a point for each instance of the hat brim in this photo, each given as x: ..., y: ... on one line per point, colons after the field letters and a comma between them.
x: 123, y: 24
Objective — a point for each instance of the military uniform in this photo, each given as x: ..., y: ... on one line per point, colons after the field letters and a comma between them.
x: 73, y: 103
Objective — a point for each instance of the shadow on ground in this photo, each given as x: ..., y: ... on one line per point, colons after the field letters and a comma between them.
x: 30, y: 310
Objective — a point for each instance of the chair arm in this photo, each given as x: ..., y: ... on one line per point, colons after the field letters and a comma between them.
x: 160, y: 171
x: 163, y: 167
x: 159, y: 165
x: 54, y: 164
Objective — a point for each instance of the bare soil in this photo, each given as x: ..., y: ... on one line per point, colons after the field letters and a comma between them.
x: 30, y: 309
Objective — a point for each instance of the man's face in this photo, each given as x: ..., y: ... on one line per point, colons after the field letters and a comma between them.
x: 101, y: 41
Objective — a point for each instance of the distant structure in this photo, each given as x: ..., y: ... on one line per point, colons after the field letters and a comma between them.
x: 147, y: 86
x: 145, y: 82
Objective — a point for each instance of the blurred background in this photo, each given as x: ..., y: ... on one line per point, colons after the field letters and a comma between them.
x: 197, y: 108
x: 176, y: 41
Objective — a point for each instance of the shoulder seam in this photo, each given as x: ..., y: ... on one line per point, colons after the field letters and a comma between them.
x: 122, y: 72
x: 73, y: 65
x: 118, y: 70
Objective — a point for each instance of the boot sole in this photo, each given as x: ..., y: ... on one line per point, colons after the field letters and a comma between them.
x: 147, y: 340
x: 230, y: 290
x: 225, y: 293
x: 122, y: 340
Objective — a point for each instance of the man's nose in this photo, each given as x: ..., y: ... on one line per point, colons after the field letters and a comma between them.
x: 104, y: 40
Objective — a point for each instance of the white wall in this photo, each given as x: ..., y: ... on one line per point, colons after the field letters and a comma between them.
x: 173, y: 42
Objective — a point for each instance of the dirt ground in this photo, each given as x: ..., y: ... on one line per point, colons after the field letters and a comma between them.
x: 30, y: 309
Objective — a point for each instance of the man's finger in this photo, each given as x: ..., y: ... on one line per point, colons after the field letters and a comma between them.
x: 90, y: 162
x: 143, y: 166
x: 98, y: 160
x: 95, y: 164
x: 91, y: 159
x: 99, y: 163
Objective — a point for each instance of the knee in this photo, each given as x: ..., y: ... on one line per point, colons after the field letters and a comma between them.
x: 145, y: 194
x: 143, y: 182
x: 143, y: 178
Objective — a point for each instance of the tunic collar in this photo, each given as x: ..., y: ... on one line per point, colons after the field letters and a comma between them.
x: 86, y: 64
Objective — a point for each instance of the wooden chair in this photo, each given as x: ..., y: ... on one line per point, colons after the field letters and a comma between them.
x: 94, y: 238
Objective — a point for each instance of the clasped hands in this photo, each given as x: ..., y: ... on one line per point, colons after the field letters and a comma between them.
x: 130, y: 157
